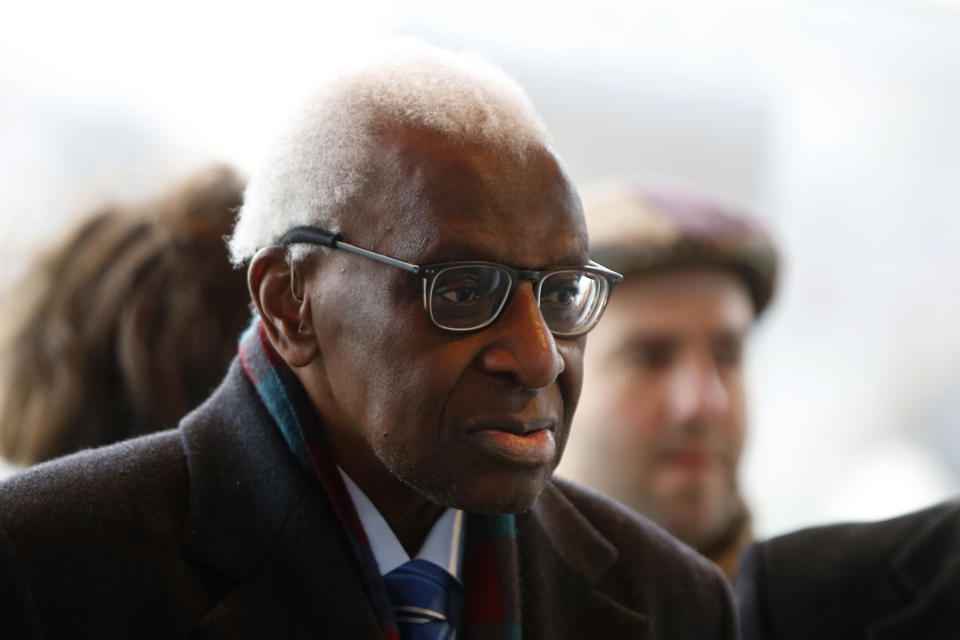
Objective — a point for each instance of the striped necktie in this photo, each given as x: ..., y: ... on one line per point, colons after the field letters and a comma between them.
x: 427, y: 601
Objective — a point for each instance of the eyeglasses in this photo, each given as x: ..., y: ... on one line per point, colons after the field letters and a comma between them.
x: 467, y: 296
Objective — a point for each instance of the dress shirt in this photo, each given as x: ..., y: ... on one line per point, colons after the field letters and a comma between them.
x: 443, y: 545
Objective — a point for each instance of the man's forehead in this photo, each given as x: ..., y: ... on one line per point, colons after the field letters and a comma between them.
x: 694, y: 299
x: 437, y: 200
x: 522, y: 247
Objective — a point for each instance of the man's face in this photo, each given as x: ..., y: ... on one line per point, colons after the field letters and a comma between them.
x: 474, y: 420
x: 662, y: 420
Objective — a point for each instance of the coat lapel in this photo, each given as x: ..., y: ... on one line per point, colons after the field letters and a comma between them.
x: 927, y: 572
x: 259, y: 524
x: 563, y: 562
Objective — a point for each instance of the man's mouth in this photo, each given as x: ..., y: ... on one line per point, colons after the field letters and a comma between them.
x: 690, y: 459
x: 521, y: 442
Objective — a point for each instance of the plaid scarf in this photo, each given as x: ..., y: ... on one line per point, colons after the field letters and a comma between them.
x: 490, y: 574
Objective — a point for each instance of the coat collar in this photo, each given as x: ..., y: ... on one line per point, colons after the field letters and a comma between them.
x: 565, y: 559
x: 927, y: 571
x: 572, y: 537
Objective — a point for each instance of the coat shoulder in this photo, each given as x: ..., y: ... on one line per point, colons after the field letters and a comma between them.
x: 837, y: 579
x: 102, y: 526
x: 91, y: 488
x: 845, y: 556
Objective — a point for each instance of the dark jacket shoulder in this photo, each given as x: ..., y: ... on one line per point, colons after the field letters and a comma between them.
x: 77, y: 531
x: 839, y: 581
x: 95, y: 487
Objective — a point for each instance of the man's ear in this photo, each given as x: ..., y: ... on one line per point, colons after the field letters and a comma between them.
x: 277, y: 291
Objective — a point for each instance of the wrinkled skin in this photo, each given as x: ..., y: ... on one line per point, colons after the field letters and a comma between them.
x: 662, y: 421
x: 403, y: 401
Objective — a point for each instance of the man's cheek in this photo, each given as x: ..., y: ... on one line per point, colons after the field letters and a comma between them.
x: 417, y: 396
x: 571, y: 380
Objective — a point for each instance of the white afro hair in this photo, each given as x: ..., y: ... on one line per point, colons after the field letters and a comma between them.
x: 320, y: 161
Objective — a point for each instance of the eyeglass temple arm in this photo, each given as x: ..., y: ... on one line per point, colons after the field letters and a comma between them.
x: 615, y: 278
x: 313, y: 235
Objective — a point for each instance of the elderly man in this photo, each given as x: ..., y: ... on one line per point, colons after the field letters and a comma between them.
x: 377, y: 462
x: 662, y: 420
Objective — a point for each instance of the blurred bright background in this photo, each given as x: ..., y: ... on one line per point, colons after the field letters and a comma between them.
x: 836, y: 121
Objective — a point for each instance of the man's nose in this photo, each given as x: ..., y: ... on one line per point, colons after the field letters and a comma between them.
x: 697, y: 392
x: 523, y: 347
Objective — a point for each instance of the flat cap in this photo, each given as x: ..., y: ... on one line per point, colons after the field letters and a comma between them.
x: 638, y: 226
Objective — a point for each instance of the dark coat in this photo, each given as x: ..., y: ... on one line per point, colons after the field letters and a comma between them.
x: 212, y: 530
x: 892, y: 580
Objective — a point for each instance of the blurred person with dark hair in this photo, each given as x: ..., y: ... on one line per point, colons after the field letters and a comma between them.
x: 125, y: 325
x: 662, y: 417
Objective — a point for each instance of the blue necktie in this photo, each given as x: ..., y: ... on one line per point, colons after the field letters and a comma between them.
x: 427, y: 601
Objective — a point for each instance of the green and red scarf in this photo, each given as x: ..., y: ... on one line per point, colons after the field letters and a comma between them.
x: 490, y: 578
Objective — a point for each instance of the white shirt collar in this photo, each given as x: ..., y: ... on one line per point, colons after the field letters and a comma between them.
x: 442, y: 547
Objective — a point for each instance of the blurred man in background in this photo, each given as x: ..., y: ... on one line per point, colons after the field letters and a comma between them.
x: 123, y: 325
x: 662, y: 417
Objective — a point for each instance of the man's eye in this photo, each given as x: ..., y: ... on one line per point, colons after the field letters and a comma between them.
x: 563, y: 296
x: 459, y: 294
x: 651, y: 355
x: 462, y: 291
x: 564, y: 293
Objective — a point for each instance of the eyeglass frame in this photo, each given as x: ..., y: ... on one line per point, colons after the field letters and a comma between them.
x: 429, y: 273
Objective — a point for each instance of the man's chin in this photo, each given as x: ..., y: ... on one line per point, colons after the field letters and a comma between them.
x: 702, y: 525
x: 489, y: 495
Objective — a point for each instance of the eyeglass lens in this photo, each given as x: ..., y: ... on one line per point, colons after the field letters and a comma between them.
x: 571, y: 301
x: 469, y: 297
